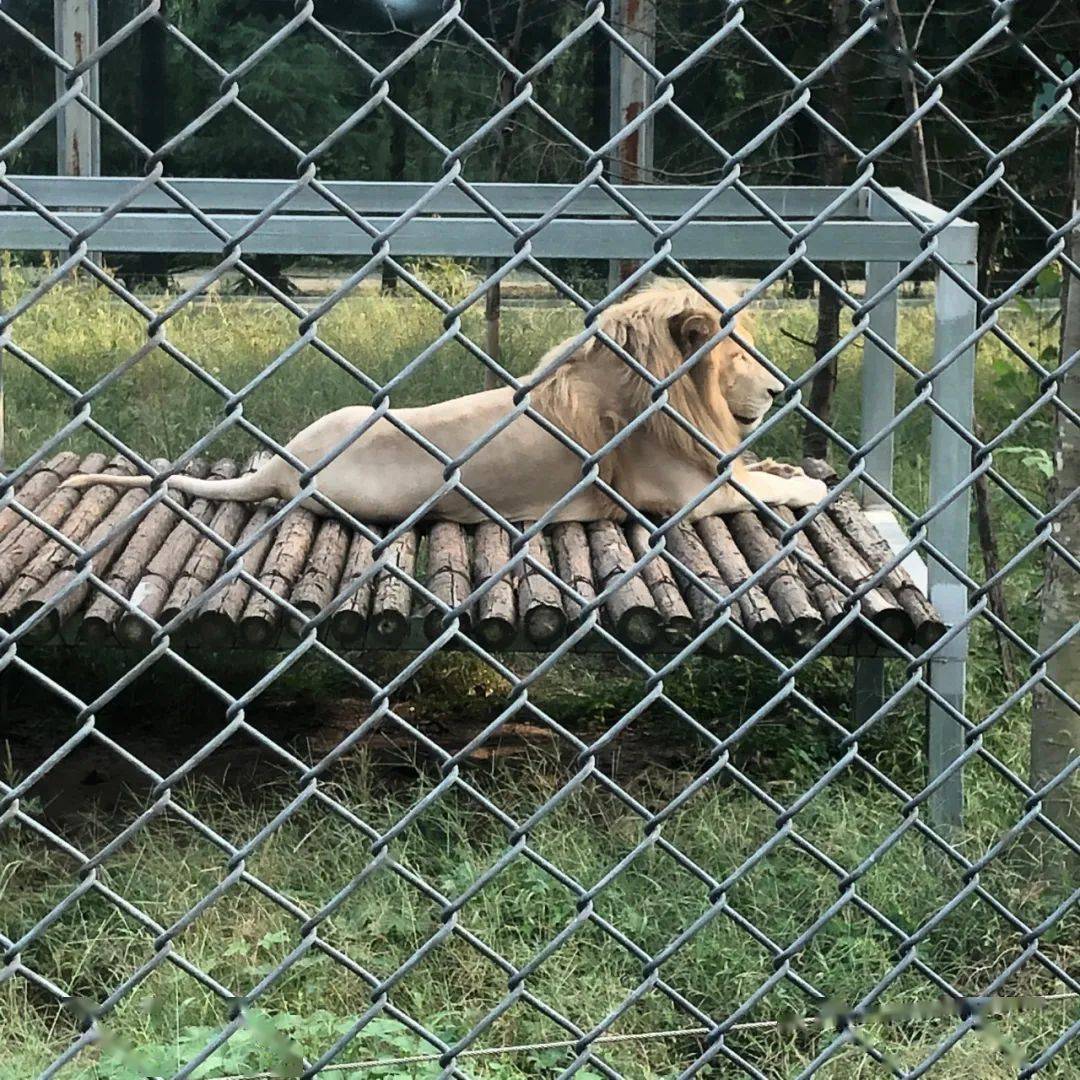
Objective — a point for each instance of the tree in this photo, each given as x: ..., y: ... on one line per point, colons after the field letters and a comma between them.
x: 836, y: 100
x: 1055, y: 724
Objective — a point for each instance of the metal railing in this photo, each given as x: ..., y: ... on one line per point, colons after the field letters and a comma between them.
x: 895, y: 235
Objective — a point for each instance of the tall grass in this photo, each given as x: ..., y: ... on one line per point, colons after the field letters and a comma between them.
x: 166, y: 866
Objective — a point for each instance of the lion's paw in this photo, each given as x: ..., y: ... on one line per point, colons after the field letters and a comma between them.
x: 806, y: 491
x: 777, y: 468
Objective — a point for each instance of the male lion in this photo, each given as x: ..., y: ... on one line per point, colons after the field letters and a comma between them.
x: 384, y: 475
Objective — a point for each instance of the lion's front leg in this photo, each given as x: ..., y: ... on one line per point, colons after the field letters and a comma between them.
x: 776, y: 468
x: 796, y: 492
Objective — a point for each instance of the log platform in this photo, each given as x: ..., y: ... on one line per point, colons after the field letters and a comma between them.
x: 165, y: 568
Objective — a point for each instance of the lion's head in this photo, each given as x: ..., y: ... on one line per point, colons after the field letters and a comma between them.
x: 724, y: 394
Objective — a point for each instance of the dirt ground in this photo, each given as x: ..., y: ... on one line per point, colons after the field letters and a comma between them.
x: 163, y: 724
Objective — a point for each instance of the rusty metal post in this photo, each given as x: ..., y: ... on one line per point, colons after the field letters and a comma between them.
x: 78, y: 133
x: 632, y: 91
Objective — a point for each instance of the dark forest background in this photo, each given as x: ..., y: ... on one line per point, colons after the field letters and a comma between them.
x: 154, y: 84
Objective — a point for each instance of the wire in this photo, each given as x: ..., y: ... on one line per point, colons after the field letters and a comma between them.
x: 947, y: 1007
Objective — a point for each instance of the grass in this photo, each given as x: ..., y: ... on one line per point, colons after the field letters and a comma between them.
x: 166, y: 866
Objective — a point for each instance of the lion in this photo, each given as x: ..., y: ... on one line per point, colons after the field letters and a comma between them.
x: 522, y: 469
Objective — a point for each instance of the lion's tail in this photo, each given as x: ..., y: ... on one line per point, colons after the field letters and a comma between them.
x: 248, y: 488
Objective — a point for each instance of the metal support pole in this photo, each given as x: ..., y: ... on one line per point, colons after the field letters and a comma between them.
x: 78, y: 132
x: 631, y: 91
x: 950, y: 466
x: 878, y: 378
x: 878, y: 381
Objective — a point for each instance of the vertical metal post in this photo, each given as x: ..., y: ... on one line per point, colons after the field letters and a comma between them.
x: 631, y: 91
x: 878, y: 381
x: 878, y: 378
x: 78, y: 133
x: 950, y: 465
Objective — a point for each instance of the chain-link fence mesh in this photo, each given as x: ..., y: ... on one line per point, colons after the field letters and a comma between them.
x: 961, y: 742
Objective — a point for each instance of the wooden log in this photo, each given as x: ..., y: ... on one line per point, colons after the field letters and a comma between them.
x: 904, y: 625
x: 319, y: 581
x: 630, y: 607
x: 95, y: 504
x: 64, y: 608
x: 23, y: 543
x: 38, y: 487
x: 155, y: 584
x: 99, y: 619
x: 758, y: 615
x: 570, y: 548
x: 204, y: 562
x: 349, y: 622
x: 217, y: 622
x: 927, y: 625
x: 447, y: 574
x: 824, y: 595
x: 392, y: 602
x: 262, y: 619
x: 657, y: 574
x: 686, y: 546
x: 801, y: 621
x: 539, y: 600
x: 878, y: 605
x: 495, y: 625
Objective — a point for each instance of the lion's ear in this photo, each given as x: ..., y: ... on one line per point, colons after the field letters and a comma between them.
x: 691, y: 329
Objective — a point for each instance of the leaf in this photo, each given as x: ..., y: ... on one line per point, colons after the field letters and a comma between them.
x: 1048, y: 282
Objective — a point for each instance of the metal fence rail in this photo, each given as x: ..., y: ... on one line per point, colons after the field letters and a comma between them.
x: 521, y: 226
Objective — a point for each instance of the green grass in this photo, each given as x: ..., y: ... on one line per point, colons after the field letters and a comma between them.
x: 166, y: 866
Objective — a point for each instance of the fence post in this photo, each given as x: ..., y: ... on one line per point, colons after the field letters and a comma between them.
x: 950, y: 464
x: 878, y: 381
x: 78, y: 133
x: 631, y: 91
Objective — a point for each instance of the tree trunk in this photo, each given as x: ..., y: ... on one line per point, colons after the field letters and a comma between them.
x: 499, y: 172
x: 837, y: 107
x: 152, y: 116
x: 401, y: 89
x: 1055, y: 726
x: 898, y: 39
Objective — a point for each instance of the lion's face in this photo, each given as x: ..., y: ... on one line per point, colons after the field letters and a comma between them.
x: 748, y: 388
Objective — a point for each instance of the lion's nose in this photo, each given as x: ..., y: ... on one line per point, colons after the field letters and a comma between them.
x: 775, y: 393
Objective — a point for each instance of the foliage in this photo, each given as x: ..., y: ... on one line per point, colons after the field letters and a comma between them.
x: 306, y: 87
x: 80, y: 333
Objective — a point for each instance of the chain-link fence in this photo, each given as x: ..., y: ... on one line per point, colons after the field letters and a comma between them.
x: 262, y: 572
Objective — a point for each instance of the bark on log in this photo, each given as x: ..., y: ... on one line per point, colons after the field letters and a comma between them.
x: 630, y: 608
x: 95, y: 504
x: 38, y: 487
x: 678, y: 623
x: 152, y: 590
x: 392, y: 603
x: 447, y: 575
x: 758, y: 615
x: 825, y: 596
x: 801, y: 621
x: 319, y: 582
x: 216, y: 624
x: 100, y: 617
x: 848, y: 565
x: 874, y: 548
x: 23, y: 543
x: 204, y: 562
x: 570, y: 549
x: 70, y: 603
x: 686, y: 546
x: 349, y: 623
x: 262, y: 618
x: 495, y: 626
x: 540, y: 600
